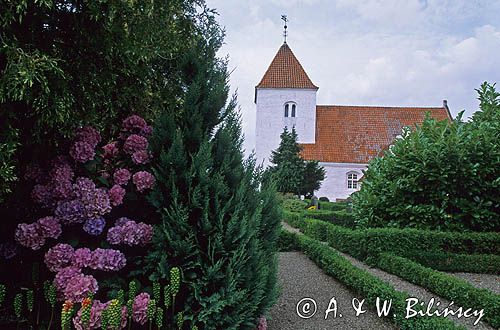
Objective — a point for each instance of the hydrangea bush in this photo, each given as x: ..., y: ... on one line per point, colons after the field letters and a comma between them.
x: 90, y: 198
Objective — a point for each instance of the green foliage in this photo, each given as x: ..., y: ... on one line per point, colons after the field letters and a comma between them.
x: 293, y: 205
x: 288, y: 241
x: 218, y: 223
x: 451, y: 262
x: 289, y: 172
x: 333, y: 206
x: 324, y: 199
x: 369, y: 243
x: 69, y: 63
x: 18, y: 305
x: 366, y: 284
x: 444, y: 285
x: 341, y: 218
x: 443, y: 176
x: 3, y: 291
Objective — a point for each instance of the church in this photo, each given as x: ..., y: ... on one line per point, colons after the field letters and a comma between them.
x: 343, y: 138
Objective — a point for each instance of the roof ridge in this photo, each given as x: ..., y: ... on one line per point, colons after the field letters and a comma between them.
x: 376, y: 106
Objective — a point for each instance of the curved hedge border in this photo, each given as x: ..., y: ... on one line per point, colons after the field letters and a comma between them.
x: 444, y: 285
x: 451, y: 262
x: 362, y: 282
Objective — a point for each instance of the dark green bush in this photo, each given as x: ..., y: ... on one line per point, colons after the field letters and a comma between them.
x: 365, y: 243
x: 450, y: 262
x: 333, y: 206
x: 288, y: 241
x: 324, y: 199
x: 441, y: 176
x: 369, y: 286
x: 341, y: 218
x: 444, y: 285
x: 294, y: 205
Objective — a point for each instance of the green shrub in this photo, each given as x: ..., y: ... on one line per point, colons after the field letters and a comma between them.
x: 294, y: 205
x: 336, y: 206
x: 450, y: 262
x: 369, y: 286
x: 341, y: 218
x: 324, y: 199
x: 288, y: 241
x: 444, y: 285
x: 366, y: 244
x: 441, y: 176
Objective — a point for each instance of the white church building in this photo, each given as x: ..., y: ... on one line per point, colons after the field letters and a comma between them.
x: 342, y: 138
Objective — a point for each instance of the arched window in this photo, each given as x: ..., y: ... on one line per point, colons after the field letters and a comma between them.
x: 290, y: 109
x: 352, y: 180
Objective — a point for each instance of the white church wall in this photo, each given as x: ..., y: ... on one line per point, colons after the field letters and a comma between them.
x: 335, y: 184
x: 270, y: 119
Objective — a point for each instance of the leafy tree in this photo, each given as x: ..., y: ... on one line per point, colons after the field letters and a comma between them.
x: 218, y: 224
x: 68, y: 63
x: 314, y: 174
x: 439, y: 176
x: 289, y: 171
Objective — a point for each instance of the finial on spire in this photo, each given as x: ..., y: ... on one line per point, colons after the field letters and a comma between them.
x: 285, y: 33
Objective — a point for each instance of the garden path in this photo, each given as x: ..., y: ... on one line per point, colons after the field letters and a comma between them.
x: 299, y: 277
x: 483, y: 281
x: 402, y: 285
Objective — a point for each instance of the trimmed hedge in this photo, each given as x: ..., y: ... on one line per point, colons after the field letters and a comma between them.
x: 340, y: 218
x: 367, y: 285
x: 333, y: 206
x: 450, y: 262
x: 288, y: 241
x: 367, y: 244
x: 444, y: 285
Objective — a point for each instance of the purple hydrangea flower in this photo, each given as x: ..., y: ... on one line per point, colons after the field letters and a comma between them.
x: 89, y: 135
x: 62, y: 171
x: 83, y: 186
x: 107, y: 260
x: 96, y: 203
x: 147, y: 131
x: 59, y: 256
x: 94, y: 226
x: 133, y: 124
x: 130, y: 233
x: 42, y: 195
x: 30, y: 235
x: 110, y: 150
x: 70, y: 212
x: 140, y: 157
x: 82, y: 257
x: 116, y: 194
x: 82, y: 152
x: 139, y: 308
x: 143, y: 180
x: 79, y: 287
x: 61, y: 190
x: 121, y: 221
x: 49, y: 227
x: 121, y: 176
x: 135, y: 143
x: 62, y: 277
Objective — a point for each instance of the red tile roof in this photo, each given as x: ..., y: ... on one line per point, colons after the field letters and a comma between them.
x: 285, y: 71
x: 356, y: 134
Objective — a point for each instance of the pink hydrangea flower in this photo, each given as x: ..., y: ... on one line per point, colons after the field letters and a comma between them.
x: 139, y: 308
x: 116, y: 194
x: 82, y: 152
x: 95, y: 316
x: 62, y: 277
x: 135, y: 143
x: 130, y: 233
x: 140, y: 157
x: 59, y: 256
x: 82, y: 257
x: 262, y: 323
x: 88, y: 135
x: 110, y: 150
x: 49, y: 227
x: 121, y: 176
x: 30, y: 235
x: 133, y: 124
x: 78, y: 287
x: 107, y: 260
x: 143, y: 180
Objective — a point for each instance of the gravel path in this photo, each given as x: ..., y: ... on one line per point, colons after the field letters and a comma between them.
x: 482, y: 281
x: 412, y: 289
x: 300, y: 278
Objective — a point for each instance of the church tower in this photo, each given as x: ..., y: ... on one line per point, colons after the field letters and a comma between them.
x: 285, y: 97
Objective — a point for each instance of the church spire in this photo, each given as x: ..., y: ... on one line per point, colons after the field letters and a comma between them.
x: 285, y: 32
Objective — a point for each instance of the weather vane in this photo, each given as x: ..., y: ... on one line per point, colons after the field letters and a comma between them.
x: 285, y: 19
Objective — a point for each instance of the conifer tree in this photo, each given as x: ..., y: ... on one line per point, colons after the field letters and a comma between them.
x: 313, y: 175
x: 218, y: 224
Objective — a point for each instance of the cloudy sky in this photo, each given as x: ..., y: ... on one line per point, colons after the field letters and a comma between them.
x: 367, y: 52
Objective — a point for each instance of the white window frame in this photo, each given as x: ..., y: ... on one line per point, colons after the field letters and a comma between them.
x: 290, y: 109
x: 352, y: 180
